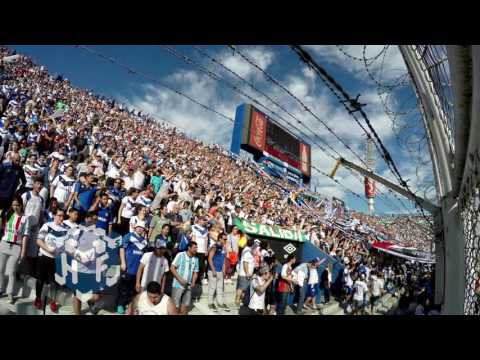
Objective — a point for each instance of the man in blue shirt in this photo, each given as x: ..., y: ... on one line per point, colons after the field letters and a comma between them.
x: 11, y: 174
x: 104, y: 213
x: 83, y: 194
x: 133, y: 247
x: 216, y: 272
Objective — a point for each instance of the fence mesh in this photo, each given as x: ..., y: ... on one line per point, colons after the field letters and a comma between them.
x: 470, y: 214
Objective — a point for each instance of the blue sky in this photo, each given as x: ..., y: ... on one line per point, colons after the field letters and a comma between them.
x: 88, y: 71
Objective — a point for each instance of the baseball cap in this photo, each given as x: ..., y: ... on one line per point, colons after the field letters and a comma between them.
x: 317, y: 259
x: 160, y: 244
x: 141, y: 224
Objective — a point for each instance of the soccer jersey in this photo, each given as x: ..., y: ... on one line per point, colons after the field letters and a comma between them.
x: 63, y: 188
x: 53, y: 236
x: 104, y: 217
x: 15, y: 228
x: 134, y: 246
x: 185, y: 266
x: 200, y: 236
x: 155, y: 267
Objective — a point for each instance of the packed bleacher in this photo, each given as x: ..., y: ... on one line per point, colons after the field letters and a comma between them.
x: 71, y: 157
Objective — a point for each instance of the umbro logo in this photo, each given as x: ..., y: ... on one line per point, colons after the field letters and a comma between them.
x: 289, y: 248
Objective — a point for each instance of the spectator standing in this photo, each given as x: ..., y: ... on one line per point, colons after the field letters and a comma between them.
x: 245, y: 272
x: 360, y: 289
x: 376, y: 287
x: 62, y: 187
x: 185, y: 270
x: 200, y: 236
x: 216, y: 272
x: 285, y: 284
x: 127, y: 210
x: 13, y: 245
x: 104, y: 213
x: 153, y: 267
x: 83, y: 194
x: 131, y: 252
x: 11, y: 176
x: 51, y: 238
x: 259, y: 286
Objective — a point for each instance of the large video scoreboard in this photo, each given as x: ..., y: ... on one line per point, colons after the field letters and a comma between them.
x: 255, y: 132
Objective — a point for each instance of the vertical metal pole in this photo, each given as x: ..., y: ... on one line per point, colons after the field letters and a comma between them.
x: 450, y: 277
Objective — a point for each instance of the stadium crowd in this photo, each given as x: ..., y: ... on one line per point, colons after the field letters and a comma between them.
x: 69, y: 156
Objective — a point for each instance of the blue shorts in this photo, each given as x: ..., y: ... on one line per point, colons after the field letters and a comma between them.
x: 312, y: 291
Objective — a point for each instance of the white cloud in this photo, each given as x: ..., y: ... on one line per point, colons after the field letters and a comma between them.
x: 208, y: 127
x: 260, y: 55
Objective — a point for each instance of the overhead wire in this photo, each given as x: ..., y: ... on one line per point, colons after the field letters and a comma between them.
x: 306, y: 108
x: 328, y: 79
x: 216, y: 77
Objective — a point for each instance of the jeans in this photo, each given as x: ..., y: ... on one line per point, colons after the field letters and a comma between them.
x: 282, y: 303
x: 302, y: 291
x: 326, y: 294
x: 202, y: 266
x: 215, y: 287
x: 9, y: 256
x: 126, y: 289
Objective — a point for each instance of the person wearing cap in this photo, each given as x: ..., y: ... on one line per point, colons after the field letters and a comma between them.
x: 258, y: 287
x: 153, y: 266
x: 307, y: 278
x: 133, y: 247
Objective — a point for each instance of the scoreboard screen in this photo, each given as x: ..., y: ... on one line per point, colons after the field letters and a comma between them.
x: 283, y: 142
x: 257, y: 133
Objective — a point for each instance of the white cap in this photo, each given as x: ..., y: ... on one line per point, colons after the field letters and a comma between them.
x: 141, y: 224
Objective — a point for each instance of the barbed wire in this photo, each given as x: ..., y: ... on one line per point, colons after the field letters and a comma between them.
x: 235, y: 88
x: 304, y: 106
x: 305, y: 57
x: 373, y: 58
x: 274, y: 81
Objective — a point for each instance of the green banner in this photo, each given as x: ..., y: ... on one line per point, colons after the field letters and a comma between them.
x: 267, y: 231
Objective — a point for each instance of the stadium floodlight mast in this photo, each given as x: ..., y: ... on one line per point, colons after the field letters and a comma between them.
x: 369, y: 184
x: 427, y: 205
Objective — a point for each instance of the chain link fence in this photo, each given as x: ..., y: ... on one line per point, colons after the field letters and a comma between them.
x: 469, y: 203
x: 433, y: 59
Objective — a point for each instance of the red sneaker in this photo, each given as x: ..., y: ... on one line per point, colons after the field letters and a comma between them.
x: 53, y: 306
x: 38, y: 303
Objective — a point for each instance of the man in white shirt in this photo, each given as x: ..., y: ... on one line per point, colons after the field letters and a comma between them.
x: 139, y: 176
x: 258, y: 288
x: 245, y: 272
x: 376, y: 286
x: 360, y: 288
x: 34, y: 205
x: 153, y: 266
x: 200, y: 236
x: 153, y: 301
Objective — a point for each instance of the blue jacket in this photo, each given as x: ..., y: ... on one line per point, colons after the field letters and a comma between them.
x: 10, y: 177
